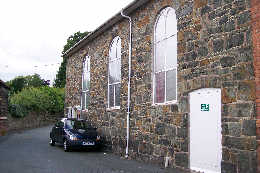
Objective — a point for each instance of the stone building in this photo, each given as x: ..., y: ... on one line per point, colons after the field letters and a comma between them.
x: 3, y: 107
x: 3, y: 99
x: 193, y: 97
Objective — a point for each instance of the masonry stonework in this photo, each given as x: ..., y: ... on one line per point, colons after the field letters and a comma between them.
x: 215, y: 50
x: 255, y: 13
x: 3, y: 108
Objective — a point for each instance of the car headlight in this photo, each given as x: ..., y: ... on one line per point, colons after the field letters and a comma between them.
x: 73, y: 138
x: 98, y: 138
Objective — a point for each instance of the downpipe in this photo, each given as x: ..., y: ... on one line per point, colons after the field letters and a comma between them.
x: 129, y: 81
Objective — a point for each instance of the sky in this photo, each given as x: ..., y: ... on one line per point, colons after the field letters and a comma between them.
x: 33, y: 32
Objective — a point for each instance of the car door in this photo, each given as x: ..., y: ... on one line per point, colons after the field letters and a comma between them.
x: 57, y: 131
x: 60, y: 131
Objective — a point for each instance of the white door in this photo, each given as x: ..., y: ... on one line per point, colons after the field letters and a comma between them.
x: 205, y: 130
x: 69, y: 112
x: 74, y: 113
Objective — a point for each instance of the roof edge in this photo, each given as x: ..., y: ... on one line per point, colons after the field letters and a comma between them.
x: 110, y: 22
x: 2, y: 83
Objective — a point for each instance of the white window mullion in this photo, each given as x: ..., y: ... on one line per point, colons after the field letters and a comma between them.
x: 176, y: 83
x: 82, y: 84
x: 165, y: 79
x: 163, y: 33
x: 85, y: 95
x: 114, y: 86
x: 108, y: 96
x: 86, y: 82
x: 165, y: 59
x: 154, y: 88
x: 165, y: 86
x: 115, y: 59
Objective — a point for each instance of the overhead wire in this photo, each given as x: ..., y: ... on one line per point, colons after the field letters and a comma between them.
x: 46, y: 71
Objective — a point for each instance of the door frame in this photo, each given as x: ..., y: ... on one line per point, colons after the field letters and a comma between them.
x: 189, y: 121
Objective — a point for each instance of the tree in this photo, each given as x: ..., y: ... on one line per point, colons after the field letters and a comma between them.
x: 34, y: 81
x: 60, y: 80
x: 43, y: 99
x: 17, y: 84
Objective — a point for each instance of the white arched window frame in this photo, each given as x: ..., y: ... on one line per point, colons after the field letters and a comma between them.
x: 85, y: 96
x: 165, y: 58
x: 114, y: 74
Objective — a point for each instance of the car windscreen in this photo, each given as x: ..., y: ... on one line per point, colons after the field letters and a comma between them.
x: 75, y: 124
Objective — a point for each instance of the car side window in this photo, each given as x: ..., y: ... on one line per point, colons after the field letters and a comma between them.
x: 59, y: 124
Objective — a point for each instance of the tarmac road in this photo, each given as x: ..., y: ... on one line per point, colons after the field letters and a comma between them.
x: 29, y: 152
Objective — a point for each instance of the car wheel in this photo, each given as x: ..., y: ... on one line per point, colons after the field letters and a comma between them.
x: 65, y: 146
x: 99, y: 147
x: 52, y: 142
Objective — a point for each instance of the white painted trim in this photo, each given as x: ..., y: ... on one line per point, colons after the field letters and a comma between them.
x: 118, y: 39
x: 174, y: 102
x: 155, y: 42
x: 113, y: 108
x: 85, y: 67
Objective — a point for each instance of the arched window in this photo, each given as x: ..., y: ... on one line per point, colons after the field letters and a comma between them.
x: 165, y: 58
x: 85, y: 98
x: 114, y: 77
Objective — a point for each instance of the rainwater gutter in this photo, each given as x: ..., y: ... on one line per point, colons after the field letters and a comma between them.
x: 129, y: 80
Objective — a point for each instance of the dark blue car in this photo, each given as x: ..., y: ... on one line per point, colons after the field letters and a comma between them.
x: 75, y: 134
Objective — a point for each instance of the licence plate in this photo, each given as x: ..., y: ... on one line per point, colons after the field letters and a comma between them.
x: 88, y: 143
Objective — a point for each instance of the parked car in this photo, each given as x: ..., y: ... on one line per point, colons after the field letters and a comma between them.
x: 75, y: 134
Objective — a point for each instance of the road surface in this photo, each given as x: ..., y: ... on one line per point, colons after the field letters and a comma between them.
x: 29, y: 152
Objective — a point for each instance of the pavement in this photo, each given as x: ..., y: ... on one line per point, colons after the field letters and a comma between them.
x: 29, y: 152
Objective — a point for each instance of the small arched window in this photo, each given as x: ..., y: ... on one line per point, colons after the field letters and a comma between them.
x: 85, y: 97
x: 165, y: 58
x: 114, y: 77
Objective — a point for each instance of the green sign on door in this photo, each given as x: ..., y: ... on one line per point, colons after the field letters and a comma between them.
x: 204, y: 107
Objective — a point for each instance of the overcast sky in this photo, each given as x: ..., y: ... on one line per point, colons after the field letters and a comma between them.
x: 33, y: 32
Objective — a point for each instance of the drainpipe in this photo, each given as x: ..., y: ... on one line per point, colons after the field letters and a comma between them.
x: 129, y: 78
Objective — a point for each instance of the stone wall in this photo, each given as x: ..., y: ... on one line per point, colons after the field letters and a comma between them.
x: 32, y: 120
x: 214, y: 51
x: 3, y: 108
x: 73, y: 79
x: 3, y: 126
x: 3, y: 100
x: 255, y: 13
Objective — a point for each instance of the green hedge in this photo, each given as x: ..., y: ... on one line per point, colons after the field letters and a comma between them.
x: 41, y: 100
